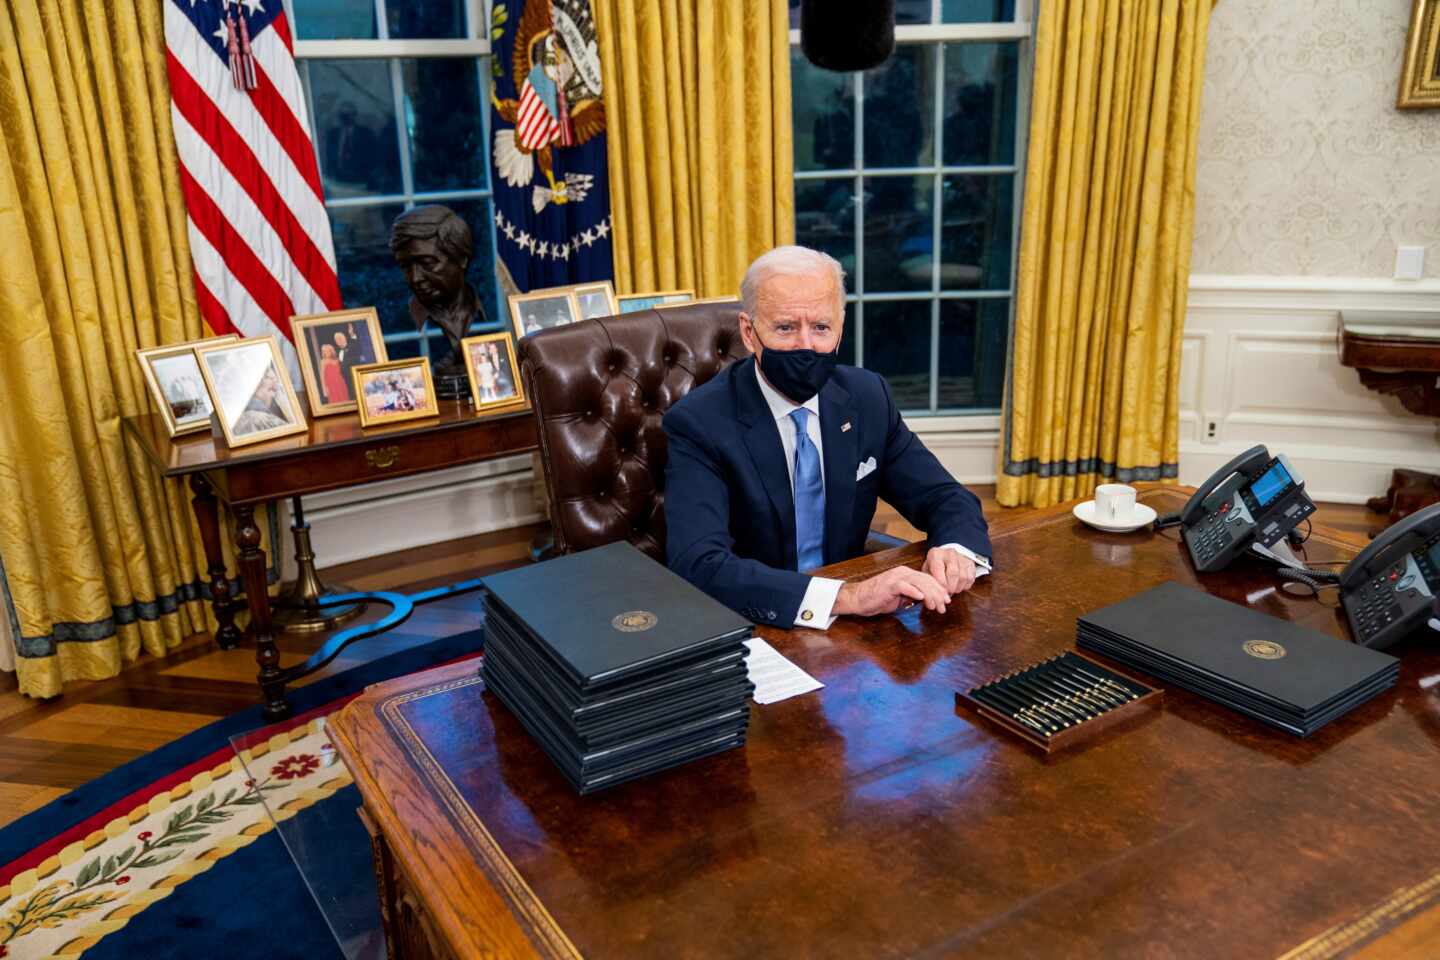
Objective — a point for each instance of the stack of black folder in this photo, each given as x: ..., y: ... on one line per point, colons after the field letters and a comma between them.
x: 616, y: 666
x: 1279, y: 673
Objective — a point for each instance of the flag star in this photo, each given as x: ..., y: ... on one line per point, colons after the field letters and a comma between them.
x: 565, y: 252
x: 253, y: 7
x: 219, y: 33
x: 587, y: 238
x: 499, y: 219
x: 602, y: 229
x: 509, y: 230
x: 544, y: 250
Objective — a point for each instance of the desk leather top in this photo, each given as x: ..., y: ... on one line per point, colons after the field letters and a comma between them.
x: 871, y: 818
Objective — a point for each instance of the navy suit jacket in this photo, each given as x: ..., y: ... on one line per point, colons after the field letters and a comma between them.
x: 729, y: 513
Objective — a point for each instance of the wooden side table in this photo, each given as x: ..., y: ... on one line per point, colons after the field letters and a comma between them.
x: 334, y: 453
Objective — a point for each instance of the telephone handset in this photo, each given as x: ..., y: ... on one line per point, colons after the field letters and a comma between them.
x: 1390, y: 586
x: 1254, y: 498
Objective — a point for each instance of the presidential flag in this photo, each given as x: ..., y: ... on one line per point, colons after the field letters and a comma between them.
x: 259, y: 235
x: 552, y: 189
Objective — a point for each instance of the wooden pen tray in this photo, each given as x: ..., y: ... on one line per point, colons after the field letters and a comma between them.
x: 1061, y: 702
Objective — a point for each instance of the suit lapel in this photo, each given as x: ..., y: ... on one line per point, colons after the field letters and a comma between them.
x: 842, y: 452
x: 762, y: 439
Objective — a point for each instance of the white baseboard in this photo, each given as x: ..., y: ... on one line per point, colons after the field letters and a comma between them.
x: 408, y: 512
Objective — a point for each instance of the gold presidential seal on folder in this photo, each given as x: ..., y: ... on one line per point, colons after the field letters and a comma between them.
x: 1264, y: 649
x: 634, y: 621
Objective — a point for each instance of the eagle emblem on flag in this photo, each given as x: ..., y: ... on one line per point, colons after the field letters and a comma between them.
x: 555, y: 65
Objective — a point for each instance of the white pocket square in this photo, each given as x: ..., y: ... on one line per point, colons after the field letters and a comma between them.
x: 866, y: 468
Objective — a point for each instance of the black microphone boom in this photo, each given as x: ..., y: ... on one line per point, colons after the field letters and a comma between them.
x: 847, y: 34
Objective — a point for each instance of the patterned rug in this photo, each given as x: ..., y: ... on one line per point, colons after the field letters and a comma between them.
x: 175, y: 855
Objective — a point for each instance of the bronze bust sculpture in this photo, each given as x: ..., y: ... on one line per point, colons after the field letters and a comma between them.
x: 433, y: 247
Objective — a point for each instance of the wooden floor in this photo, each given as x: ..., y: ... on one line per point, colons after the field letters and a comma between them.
x: 50, y: 747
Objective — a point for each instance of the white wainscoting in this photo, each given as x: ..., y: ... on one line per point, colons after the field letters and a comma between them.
x: 1260, y: 365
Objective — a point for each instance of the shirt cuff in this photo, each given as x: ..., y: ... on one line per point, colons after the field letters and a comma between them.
x: 982, y: 564
x: 819, y: 599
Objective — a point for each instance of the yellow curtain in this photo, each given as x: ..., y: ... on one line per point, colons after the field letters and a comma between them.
x: 697, y: 100
x: 1093, y: 386
x: 98, y: 557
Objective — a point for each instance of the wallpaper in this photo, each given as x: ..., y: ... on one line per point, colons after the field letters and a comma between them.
x: 1305, y: 166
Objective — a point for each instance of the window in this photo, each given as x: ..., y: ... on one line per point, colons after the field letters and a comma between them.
x: 399, y: 101
x: 910, y: 176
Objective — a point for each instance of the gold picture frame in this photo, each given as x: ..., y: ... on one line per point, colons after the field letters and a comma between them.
x: 499, y: 389
x: 1420, y: 71
x: 588, y: 298
x: 374, y: 397
x: 542, y: 309
x: 172, y: 372
x: 324, y: 375
x: 691, y: 303
x: 633, y: 302
x: 250, y: 390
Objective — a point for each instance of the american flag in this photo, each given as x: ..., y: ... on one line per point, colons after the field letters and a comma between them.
x: 537, y: 122
x: 259, y: 235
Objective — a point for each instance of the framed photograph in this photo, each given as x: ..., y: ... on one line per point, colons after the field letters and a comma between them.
x: 1420, y: 71
x: 173, y: 376
x: 686, y: 303
x: 331, y: 345
x: 395, y: 391
x: 494, y: 373
x: 631, y: 302
x: 542, y: 309
x: 596, y: 300
x: 250, y: 390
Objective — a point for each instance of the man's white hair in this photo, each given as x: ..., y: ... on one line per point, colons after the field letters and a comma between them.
x: 792, y: 261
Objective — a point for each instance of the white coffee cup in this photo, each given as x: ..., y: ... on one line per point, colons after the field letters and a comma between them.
x: 1114, y: 502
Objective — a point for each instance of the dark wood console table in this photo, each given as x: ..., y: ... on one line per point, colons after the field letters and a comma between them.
x: 335, y: 453
x: 871, y: 818
x: 1407, y: 368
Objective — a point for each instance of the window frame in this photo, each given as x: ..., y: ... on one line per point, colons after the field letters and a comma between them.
x: 1021, y: 31
x: 393, y: 51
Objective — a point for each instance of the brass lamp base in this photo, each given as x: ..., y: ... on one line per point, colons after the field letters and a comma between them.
x: 296, y: 609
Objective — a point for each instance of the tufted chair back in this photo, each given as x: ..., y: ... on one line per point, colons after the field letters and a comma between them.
x: 599, y: 389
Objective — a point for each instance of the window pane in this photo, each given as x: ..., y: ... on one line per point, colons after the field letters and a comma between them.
x: 355, y: 127
x: 424, y: 19
x: 897, y: 346
x: 973, y: 335
x: 368, y: 274
x: 976, y: 11
x: 825, y: 220
x: 402, y: 349
x: 900, y: 108
x: 975, y: 234
x: 447, y: 148
x: 899, y: 233
x: 912, y: 11
x: 980, y: 85
x: 824, y: 116
x: 334, y: 20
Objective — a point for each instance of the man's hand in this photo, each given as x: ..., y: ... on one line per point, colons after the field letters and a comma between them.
x: 887, y: 592
x: 951, y: 569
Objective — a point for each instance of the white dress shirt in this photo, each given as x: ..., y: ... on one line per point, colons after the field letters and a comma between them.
x: 820, y: 596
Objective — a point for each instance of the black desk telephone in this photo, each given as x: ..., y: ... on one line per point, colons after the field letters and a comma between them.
x: 1389, y: 588
x: 1254, y: 498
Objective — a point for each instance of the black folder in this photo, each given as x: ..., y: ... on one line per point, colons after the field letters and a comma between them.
x: 1275, y: 671
x: 587, y: 612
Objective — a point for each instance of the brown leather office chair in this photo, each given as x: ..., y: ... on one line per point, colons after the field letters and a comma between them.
x: 599, y: 389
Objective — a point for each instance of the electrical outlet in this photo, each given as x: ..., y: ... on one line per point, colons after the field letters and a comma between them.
x: 1212, y: 431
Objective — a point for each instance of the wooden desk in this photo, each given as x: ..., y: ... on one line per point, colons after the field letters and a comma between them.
x: 336, y: 452
x: 872, y: 819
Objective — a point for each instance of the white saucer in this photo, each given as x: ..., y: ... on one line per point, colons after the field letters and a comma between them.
x: 1141, y: 516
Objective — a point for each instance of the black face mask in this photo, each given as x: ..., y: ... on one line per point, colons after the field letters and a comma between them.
x: 799, y: 374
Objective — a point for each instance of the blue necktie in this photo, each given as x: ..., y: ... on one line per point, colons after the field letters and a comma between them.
x: 809, y: 498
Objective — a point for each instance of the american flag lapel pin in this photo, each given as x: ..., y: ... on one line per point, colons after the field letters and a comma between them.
x: 845, y: 426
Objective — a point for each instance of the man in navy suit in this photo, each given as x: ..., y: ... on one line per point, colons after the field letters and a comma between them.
x: 776, y: 463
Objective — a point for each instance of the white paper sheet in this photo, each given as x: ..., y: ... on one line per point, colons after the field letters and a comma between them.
x: 775, y: 678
